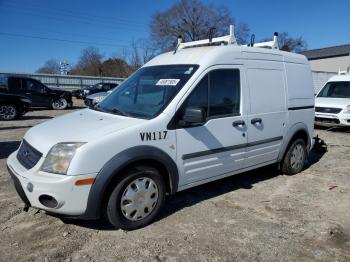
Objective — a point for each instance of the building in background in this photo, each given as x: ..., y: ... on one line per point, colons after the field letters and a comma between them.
x: 330, y: 59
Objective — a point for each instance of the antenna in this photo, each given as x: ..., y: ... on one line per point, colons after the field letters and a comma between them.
x: 179, y: 42
x: 211, y: 33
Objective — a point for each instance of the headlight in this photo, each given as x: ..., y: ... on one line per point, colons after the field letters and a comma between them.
x: 86, y: 91
x: 347, y: 110
x: 98, y: 99
x: 59, y: 157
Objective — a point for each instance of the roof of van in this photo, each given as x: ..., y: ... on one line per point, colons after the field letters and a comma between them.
x: 211, y: 55
x: 339, y: 78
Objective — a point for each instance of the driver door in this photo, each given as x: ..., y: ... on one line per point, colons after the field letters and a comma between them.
x: 216, y: 147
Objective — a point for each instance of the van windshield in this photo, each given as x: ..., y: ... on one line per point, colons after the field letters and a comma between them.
x: 336, y: 90
x: 148, y: 91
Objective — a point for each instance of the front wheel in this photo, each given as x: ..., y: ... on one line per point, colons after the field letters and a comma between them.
x: 137, y: 198
x: 59, y: 104
x: 295, y: 157
x: 8, y: 112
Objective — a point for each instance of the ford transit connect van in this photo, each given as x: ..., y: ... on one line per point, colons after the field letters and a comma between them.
x: 194, y: 115
x: 333, y: 102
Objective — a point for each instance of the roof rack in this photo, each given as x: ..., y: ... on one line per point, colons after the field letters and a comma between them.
x: 344, y: 72
x: 226, y: 40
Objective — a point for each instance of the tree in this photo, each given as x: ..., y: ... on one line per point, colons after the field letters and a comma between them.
x: 51, y: 66
x: 290, y: 44
x: 115, y: 67
x: 192, y: 19
x: 89, y: 63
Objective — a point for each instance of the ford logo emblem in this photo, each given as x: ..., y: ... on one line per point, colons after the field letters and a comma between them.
x: 25, y: 153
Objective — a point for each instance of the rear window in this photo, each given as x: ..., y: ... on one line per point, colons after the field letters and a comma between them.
x: 3, y: 83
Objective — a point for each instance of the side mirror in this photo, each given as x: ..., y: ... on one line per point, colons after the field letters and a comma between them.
x: 193, y: 116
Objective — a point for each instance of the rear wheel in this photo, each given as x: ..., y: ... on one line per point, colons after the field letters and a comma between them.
x: 8, y: 112
x: 295, y: 157
x: 137, y: 198
x: 59, y: 104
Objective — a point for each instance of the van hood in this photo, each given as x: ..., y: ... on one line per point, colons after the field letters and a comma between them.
x: 332, y: 102
x: 81, y: 126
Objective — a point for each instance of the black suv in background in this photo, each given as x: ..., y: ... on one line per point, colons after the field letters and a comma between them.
x: 13, y: 106
x: 38, y: 93
x: 96, y: 88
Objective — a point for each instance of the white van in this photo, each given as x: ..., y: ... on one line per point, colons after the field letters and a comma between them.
x: 197, y: 114
x: 333, y: 102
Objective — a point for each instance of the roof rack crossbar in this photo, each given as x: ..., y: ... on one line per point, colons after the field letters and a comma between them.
x: 227, y: 39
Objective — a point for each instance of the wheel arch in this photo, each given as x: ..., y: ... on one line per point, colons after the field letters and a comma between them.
x: 299, y: 130
x: 108, y: 176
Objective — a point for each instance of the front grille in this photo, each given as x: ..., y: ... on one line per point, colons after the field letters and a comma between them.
x: 330, y: 110
x: 327, y: 120
x: 27, y: 155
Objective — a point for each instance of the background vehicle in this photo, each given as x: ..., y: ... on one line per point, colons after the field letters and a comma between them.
x: 94, y: 99
x: 332, y: 104
x: 96, y: 88
x: 38, y: 93
x: 13, y: 106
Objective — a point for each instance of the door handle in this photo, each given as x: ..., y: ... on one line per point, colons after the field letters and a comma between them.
x: 256, y: 120
x: 238, y: 123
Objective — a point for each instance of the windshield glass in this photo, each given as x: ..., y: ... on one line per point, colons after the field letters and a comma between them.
x: 336, y: 90
x: 95, y: 86
x: 148, y: 91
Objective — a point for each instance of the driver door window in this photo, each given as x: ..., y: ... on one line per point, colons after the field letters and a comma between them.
x: 35, y: 87
x: 218, y: 93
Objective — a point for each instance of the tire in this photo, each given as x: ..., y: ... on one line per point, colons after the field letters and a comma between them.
x: 295, y: 157
x: 59, y: 104
x: 8, y: 112
x: 137, y: 198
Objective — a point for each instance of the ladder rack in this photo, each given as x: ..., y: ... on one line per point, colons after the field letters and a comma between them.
x: 226, y: 40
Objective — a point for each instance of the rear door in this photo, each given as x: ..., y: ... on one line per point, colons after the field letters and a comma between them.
x: 15, y: 86
x: 216, y: 147
x: 267, y: 114
x: 37, y: 92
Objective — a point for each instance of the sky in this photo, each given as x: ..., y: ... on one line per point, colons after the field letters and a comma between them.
x: 28, y: 27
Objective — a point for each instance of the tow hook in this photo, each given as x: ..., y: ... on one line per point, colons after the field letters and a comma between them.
x: 320, y: 145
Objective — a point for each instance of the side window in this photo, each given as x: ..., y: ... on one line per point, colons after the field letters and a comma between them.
x: 35, y: 86
x: 199, y: 96
x: 15, y: 84
x: 218, y: 93
x: 224, y: 92
x: 105, y: 87
x: 3, y: 83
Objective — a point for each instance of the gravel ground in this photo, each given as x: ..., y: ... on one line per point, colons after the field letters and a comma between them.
x: 255, y: 216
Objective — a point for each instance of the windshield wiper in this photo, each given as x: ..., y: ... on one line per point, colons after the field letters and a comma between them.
x: 117, y: 111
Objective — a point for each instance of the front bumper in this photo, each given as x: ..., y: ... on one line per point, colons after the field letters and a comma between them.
x: 332, y: 119
x: 31, y: 185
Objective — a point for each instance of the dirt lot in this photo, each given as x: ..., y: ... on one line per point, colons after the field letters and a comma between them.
x: 255, y: 216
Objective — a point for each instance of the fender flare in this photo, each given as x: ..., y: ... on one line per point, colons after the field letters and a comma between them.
x: 291, y: 132
x: 111, y: 169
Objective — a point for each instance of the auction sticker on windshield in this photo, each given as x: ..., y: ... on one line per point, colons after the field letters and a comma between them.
x: 167, y: 82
